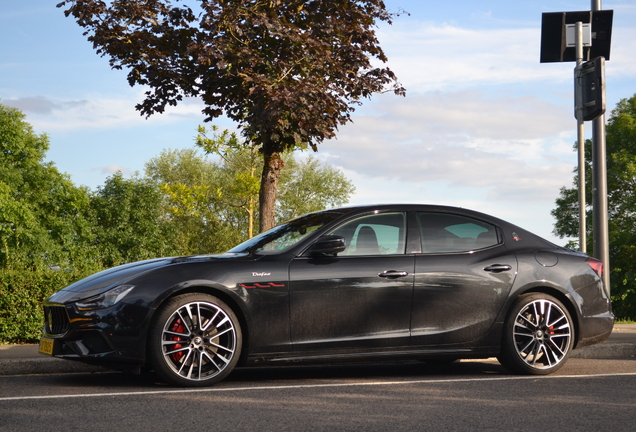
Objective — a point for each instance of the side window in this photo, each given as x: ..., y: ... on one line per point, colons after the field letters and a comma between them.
x: 445, y: 233
x: 378, y: 234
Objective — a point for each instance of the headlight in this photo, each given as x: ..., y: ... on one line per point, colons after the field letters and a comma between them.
x: 104, y: 300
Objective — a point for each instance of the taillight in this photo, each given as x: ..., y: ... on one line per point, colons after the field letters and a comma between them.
x: 596, y: 265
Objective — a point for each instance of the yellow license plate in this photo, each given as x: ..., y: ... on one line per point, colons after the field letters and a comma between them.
x: 46, y: 346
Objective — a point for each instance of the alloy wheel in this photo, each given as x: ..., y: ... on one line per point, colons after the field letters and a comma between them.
x: 199, y: 341
x: 542, y: 333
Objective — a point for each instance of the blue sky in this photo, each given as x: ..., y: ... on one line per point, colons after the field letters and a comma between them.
x: 484, y: 124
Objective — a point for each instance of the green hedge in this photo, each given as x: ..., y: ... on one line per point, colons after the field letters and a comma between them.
x: 21, y: 296
x: 22, y: 293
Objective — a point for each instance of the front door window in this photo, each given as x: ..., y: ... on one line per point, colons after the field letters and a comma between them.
x: 377, y: 234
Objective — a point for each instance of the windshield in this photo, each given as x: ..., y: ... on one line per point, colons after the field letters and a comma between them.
x: 286, y: 235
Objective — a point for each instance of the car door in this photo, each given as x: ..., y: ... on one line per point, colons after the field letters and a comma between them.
x: 360, y: 298
x: 463, y: 277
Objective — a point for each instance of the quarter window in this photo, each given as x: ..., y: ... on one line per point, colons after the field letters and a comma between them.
x: 447, y: 233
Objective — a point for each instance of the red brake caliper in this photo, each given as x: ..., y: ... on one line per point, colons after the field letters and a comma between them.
x: 177, y: 327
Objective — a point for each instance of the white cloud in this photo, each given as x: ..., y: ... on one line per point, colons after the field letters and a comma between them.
x: 515, y: 149
x: 112, y: 169
x: 40, y: 105
x: 429, y: 57
x: 622, y: 63
x: 97, y: 112
x: 474, y: 113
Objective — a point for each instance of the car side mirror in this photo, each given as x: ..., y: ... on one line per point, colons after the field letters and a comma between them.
x: 328, y: 245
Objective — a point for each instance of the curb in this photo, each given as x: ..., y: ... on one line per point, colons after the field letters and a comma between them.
x: 606, y: 351
x: 39, y: 366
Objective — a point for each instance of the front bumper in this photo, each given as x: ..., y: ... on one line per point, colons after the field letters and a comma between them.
x: 107, y: 337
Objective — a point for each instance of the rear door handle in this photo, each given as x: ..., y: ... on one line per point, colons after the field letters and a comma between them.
x: 498, y: 268
x: 393, y: 274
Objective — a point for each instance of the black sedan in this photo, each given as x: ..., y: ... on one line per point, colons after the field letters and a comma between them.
x: 419, y: 282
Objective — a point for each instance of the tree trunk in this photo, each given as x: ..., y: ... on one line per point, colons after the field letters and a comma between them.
x: 269, y: 186
x: 250, y: 221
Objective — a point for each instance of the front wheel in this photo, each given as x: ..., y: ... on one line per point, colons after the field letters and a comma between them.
x: 538, y: 335
x: 195, y: 340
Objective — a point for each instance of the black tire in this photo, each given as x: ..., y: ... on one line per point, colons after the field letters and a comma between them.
x: 538, y: 335
x: 194, y: 340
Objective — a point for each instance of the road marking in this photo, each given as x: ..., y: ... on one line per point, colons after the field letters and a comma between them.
x: 307, y: 386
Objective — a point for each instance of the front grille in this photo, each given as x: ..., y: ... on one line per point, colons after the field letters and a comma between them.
x: 56, y: 320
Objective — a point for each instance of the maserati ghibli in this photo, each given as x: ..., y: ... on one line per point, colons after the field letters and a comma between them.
x: 407, y: 282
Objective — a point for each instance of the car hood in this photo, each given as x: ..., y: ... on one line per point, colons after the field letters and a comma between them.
x: 103, y: 281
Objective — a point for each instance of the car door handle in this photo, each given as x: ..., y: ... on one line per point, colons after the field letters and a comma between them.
x: 498, y: 268
x: 392, y: 274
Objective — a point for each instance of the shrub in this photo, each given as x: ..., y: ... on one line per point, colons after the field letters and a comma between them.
x: 21, y: 296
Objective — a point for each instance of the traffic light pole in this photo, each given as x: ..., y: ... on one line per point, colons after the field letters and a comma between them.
x: 599, y: 187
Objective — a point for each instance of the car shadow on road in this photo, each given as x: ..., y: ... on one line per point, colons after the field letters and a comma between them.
x: 281, y: 375
x: 367, y: 371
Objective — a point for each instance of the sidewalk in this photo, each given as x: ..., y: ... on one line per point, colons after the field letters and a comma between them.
x: 25, y: 359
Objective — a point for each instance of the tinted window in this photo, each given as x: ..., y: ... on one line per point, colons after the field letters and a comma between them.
x: 378, y: 234
x: 443, y: 233
x: 288, y: 234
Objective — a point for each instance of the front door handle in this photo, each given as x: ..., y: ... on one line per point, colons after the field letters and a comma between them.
x: 393, y: 274
x: 498, y: 268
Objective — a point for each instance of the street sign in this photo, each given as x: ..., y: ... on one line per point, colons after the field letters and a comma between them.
x: 554, y: 47
x: 570, y: 35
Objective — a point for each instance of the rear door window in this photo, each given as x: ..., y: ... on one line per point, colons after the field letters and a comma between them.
x: 448, y: 233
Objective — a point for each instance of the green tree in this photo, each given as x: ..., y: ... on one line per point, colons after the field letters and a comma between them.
x: 128, y: 225
x: 211, y: 203
x: 45, y: 225
x: 289, y: 72
x: 191, y: 202
x: 621, y: 186
x: 305, y: 186
x: 42, y: 214
x: 308, y: 186
x: 239, y: 168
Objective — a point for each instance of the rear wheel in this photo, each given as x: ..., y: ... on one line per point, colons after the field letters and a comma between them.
x: 538, y: 335
x: 195, y: 340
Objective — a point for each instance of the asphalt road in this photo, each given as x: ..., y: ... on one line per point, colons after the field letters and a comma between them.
x: 585, y: 395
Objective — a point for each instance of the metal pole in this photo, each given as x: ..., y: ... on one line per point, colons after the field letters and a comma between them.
x: 599, y: 165
x: 578, y: 102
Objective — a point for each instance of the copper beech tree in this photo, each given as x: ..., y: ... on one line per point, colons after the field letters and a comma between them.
x: 289, y: 72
